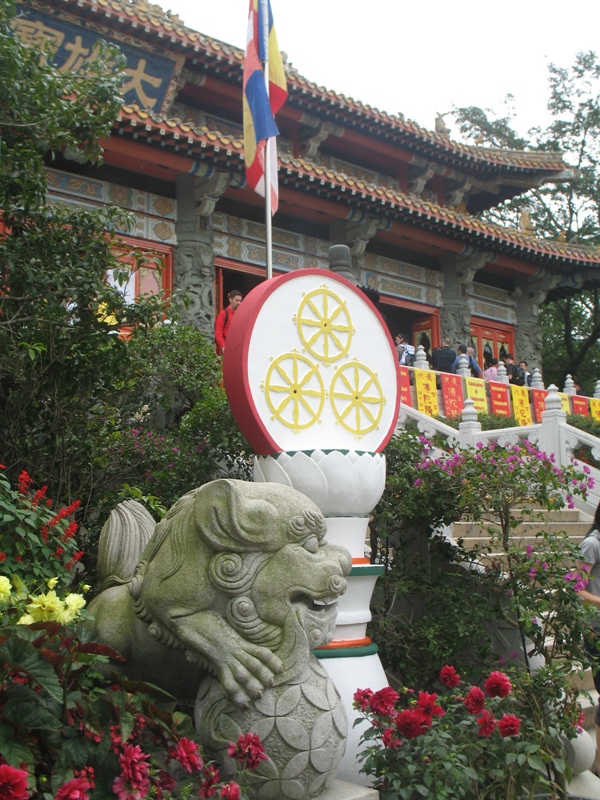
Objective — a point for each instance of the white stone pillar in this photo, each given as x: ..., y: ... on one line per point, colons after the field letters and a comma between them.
x: 552, y: 417
x: 421, y: 359
x: 502, y: 376
x: 536, y: 379
x: 463, y: 368
x: 570, y: 386
x: 470, y: 427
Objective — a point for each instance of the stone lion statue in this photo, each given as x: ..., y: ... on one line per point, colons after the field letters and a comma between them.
x: 236, y: 582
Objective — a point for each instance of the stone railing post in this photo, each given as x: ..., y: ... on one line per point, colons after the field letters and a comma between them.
x: 536, y: 379
x: 552, y: 417
x: 502, y: 376
x: 470, y: 427
x: 597, y: 390
x: 570, y: 386
x: 421, y: 359
x: 463, y: 368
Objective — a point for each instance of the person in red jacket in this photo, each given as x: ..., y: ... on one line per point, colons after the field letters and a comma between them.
x: 224, y: 318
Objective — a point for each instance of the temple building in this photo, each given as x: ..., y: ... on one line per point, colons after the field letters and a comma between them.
x: 404, y: 199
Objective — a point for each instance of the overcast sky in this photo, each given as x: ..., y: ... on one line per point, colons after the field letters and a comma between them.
x: 415, y: 57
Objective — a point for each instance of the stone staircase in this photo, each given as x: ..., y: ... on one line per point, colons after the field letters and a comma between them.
x: 574, y: 522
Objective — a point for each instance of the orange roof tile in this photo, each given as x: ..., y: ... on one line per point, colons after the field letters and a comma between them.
x: 194, y: 141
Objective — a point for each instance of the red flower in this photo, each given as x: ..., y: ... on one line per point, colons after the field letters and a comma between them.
x: 497, y: 685
x: 412, y: 722
x: 135, y: 768
x: 24, y: 483
x: 231, y: 791
x: 2, y: 556
x: 486, y: 723
x: 384, y: 701
x: 426, y: 704
x: 187, y: 754
x: 248, y: 750
x: 475, y: 700
x: 210, y: 778
x: 125, y: 791
x: 449, y: 677
x: 75, y: 789
x: 390, y: 740
x: 509, y: 725
x: 362, y: 698
x: 13, y: 783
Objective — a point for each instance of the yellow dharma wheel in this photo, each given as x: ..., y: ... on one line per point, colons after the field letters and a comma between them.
x: 324, y: 325
x: 294, y: 391
x: 357, y: 398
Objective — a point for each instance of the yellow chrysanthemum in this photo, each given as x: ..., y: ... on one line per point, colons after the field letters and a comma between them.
x: 26, y: 619
x: 5, y: 588
x: 85, y: 588
x: 52, y: 583
x: 45, y: 607
x: 72, y: 606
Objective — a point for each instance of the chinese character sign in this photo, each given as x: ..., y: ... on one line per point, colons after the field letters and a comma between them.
x: 453, y: 394
x: 595, y: 408
x: 476, y: 391
x: 148, y: 75
x: 499, y: 399
x: 539, y: 402
x: 426, y: 392
x: 564, y: 399
x: 521, y: 407
x: 405, y: 398
x: 580, y: 405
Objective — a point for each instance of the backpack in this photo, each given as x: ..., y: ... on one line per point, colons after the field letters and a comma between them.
x: 519, y: 379
x: 408, y: 356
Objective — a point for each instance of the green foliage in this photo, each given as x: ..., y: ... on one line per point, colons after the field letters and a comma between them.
x: 420, y: 620
x: 565, y: 211
x: 184, y: 433
x: 43, y: 111
x: 62, y: 368
x: 489, y: 422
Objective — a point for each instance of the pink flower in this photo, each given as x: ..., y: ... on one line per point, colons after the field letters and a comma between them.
x: 426, y: 703
x: 449, y: 677
x: 384, y: 701
x: 497, y: 685
x: 362, y: 698
x: 231, y: 791
x: 248, y: 750
x: 210, y: 778
x: 75, y: 789
x: 486, y: 723
x: 474, y: 701
x: 509, y: 725
x: 187, y: 754
x: 13, y: 783
x: 412, y: 722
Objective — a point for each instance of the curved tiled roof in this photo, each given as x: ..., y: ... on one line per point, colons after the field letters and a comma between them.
x: 202, y: 142
x: 150, y: 22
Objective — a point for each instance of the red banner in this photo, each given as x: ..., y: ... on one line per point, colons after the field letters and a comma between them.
x: 405, y: 398
x: 539, y: 403
x: 580, y: 405
x: 499, y: 399
x: 452, y: 393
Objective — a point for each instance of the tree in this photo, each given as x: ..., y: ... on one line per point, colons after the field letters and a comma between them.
x: 565, y: 211
x: 62, y: 369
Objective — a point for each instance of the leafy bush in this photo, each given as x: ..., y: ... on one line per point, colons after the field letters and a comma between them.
x: 468, y: 742
x: 489, y: 422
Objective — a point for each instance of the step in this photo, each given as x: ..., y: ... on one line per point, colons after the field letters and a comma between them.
x: 523, y: 529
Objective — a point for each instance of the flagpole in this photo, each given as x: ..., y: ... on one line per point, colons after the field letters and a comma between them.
x: 264, y: 20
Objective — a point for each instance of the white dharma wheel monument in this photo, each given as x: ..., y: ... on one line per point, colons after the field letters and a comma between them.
x: 312, y: 378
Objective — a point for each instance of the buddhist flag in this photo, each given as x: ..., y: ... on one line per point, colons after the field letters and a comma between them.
x: 259, y: 107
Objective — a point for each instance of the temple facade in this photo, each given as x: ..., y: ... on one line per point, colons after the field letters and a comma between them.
x: 404, y: 199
